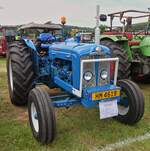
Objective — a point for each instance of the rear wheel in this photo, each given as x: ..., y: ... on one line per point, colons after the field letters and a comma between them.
x: 41, y: 115
x: 19, y: 72
x: 131, y: 105
x: 124, y: 64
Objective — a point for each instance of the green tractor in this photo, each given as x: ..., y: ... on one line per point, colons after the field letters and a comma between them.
x: 131, y: 46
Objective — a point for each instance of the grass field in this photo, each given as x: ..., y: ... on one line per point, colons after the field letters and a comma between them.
x: 78, y: 129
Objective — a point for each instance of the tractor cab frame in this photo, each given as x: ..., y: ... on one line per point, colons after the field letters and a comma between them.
x: 126, y: 20
x: 32, y: 30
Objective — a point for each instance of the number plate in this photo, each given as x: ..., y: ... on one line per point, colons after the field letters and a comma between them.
x: 105, y: 95
x: 108, y: 109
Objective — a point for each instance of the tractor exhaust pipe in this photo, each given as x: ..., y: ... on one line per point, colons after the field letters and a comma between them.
x: 97, y: 29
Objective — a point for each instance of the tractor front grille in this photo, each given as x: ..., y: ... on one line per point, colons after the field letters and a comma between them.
x: 96, y: 67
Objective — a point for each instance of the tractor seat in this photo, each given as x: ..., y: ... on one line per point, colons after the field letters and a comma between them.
x: 43, y: 41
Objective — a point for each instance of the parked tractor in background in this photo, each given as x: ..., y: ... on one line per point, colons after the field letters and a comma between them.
x: 82, y: 73
x: 7, y: 36
x: 10, y: 33
x: 132, y: 47
x: 87, y: 37
x: 3, y: 42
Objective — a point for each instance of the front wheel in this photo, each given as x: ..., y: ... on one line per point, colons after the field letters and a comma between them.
x: 131, y: 105
x: 41, y: 115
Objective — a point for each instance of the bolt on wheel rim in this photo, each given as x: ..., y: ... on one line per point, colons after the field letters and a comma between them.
x: 122, y: 110
x: 123, y: 106
x: 34, y: 117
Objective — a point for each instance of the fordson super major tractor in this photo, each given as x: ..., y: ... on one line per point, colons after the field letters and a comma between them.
x: 131, y: 46
x: 86, y: 74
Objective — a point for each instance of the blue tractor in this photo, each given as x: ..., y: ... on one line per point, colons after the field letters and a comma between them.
x: 85, y: 74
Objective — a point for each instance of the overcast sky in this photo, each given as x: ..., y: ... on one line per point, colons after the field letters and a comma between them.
x: 77, y: 12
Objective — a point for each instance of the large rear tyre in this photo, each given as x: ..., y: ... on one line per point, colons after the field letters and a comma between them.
x: 41, y: 116
x: 124, y: 64
x: 131, y: 105
x: 19, y: 72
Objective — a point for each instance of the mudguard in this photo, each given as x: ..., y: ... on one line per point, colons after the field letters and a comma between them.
x: 145, y: 46
x: 115, y: 38
x: 35, y: 58
x: 30, y: 44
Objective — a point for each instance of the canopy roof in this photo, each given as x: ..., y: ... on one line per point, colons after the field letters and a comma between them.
x: 138, y: 14
x: 41, y: 26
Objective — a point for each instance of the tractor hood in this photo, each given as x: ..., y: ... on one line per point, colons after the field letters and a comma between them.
x: 145, y: 46
x: 80, y: 49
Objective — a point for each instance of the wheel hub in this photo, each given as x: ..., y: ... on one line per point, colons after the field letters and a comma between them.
x: 146, y: 69
x: 122, y: 110
x: 34, y: 117
x: 123, y: 106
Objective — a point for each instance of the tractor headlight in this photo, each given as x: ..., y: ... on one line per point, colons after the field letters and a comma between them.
x: 88, y: 76
x: 104, y: 74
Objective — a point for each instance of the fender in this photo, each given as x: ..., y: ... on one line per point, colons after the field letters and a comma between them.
x: 145, y: 46
x: 30, y: 44
x: 35, y: 58
x: 114, y: 38
x: 123, y: 41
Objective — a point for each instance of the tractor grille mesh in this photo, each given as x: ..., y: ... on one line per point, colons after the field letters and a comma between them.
x: 96, y: 68
x: 89, y: 67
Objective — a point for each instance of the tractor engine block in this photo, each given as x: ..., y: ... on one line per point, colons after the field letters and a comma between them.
x: 63, y: 69
x: 44, y: 66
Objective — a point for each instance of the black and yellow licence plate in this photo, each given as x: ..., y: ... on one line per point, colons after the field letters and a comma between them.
x: 105, y: 95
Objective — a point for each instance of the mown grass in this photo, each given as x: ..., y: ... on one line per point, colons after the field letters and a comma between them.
x: 78, y: 129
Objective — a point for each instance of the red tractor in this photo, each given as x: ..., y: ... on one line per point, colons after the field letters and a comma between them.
x: 3, y: 42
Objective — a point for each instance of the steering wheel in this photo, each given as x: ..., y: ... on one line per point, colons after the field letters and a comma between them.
x: 58, y: 37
